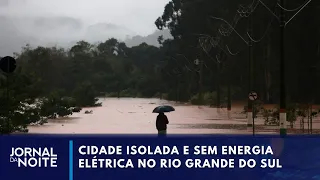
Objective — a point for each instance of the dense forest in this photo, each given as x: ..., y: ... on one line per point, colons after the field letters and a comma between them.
x: 225, y: 51
x: 50, y: 81
x: 206, y: 62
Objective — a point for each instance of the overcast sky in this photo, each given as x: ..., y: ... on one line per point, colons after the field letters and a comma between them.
x: 62, y: 21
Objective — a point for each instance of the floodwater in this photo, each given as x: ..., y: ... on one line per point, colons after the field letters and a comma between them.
x: 134, y: 116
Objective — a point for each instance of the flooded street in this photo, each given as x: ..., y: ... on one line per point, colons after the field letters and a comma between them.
x: 134, y: 116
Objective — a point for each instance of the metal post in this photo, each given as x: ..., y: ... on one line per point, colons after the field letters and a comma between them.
x: 250, y: 114
x: 200, y: 81
x: 282, y: 115
x: 253, y: 130
x: 314, y: 87
x: 218, y: 87
x: 229, y: 96
x: 177, y: 95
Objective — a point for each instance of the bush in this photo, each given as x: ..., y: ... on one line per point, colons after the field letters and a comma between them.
x: 294, y: 111
x: 85, y: 95
x: 112, y: 94
x: 172, y: 95
x: 270, y: 116
x: 207, y: 99
x: 196, y: 101
x: 157, y: 95
x: 258, y: 108
x: 164, y: 96
x: 210, y: 98
x: 54, y: 106
x: 128, y: 93
x: 76, y: 109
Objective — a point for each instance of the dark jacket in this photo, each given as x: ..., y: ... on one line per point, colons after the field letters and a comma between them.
x: 162, y: 122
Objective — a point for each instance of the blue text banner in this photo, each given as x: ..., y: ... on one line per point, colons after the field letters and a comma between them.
x: 99, y: 157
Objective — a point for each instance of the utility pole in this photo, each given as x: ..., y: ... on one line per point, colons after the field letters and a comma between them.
x: 229, y: 93
x: 198, y: 62
x: 283, y: 114
x: 178, y: 88
x: 200, y: 81
x: 250, y: 65
x: 314, y: 87
x: 218, y: 86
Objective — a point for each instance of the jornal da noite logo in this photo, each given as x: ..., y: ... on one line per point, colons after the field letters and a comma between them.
x: 34, y: 157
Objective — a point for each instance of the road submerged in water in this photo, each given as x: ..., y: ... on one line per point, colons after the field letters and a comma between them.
x: 134, y: 116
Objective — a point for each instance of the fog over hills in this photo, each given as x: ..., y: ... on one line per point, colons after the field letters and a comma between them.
x: 64, y: 31
x: 151, y: 39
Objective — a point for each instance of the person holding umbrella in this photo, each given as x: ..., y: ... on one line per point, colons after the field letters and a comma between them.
x: 161, y: 123
x: 162, y: 120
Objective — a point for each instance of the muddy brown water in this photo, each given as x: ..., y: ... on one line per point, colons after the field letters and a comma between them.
x: 134, y: 116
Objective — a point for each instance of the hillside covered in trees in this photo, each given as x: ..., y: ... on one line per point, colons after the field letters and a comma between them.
x: 207, y: 60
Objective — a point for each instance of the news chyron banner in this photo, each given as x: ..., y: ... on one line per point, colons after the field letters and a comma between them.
x: 91, y: 157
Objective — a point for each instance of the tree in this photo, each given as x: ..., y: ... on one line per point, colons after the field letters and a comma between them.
x: 85, y: 95
x: 16, y: 109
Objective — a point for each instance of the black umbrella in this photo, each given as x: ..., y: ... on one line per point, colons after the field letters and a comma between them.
x: 163, y: 109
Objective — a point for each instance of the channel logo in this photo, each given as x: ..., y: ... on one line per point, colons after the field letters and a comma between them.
x: 34, y: 157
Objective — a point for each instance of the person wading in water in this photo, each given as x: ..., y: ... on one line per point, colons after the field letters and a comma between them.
x: 161, y: 124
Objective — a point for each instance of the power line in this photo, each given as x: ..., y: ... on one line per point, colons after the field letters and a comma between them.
x: 205, y: 48
x: 241, y: 12
x: 269, y: 10
x: 176, y: 61
x: 264, y: 34
x: 246, y: 12
x: 303, y: 6
x: 295, y: 9
x: 233, y: 54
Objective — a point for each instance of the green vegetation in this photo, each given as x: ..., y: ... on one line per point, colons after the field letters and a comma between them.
x: 295, y: 112
x: 52, y: 82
